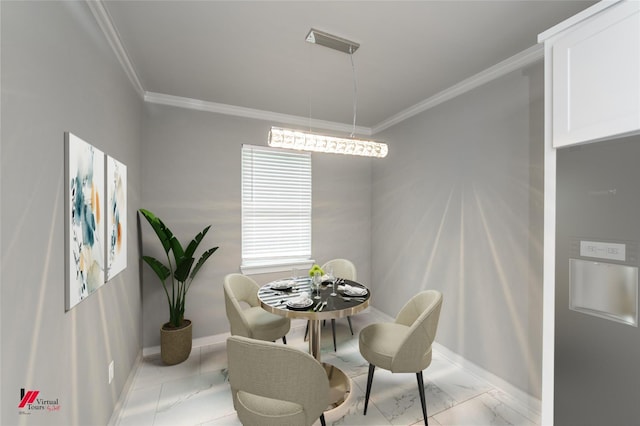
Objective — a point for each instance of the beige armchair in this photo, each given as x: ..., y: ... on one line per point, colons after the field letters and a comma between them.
x: 251, y: 320
x: 275, y: 385
x: 403, y: 346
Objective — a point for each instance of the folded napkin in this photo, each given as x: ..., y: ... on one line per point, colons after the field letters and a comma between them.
x: 353, y: 290
x: 302, y: 299
x: 282, y: 284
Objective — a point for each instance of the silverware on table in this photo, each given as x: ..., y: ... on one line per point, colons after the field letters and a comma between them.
x: 355, y: 299
x: 322, y: 306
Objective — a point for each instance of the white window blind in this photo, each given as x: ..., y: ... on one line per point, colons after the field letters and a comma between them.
x: 276, y: 207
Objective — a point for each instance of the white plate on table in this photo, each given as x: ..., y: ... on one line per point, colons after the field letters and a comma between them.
x: 299, y: 304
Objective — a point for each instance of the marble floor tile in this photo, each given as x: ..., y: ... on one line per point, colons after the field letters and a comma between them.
x: 141, y: 407
x: 482, y: 410
x: 452, y: 380
x: 397, y: 397
x: 531, y: 413
x: 196, y: 392
x: 351, y: 412
x: 153, y: 372
x: 213, y: 358
x: 229, y: 420
x: 196, y: 398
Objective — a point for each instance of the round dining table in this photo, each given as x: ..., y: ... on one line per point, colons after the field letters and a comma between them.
x: 277, y: 297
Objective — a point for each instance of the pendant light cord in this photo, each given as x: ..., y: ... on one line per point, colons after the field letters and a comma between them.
x: 355, y: 93
x: 310, y: 85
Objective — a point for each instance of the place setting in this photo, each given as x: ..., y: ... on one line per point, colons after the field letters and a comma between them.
x: 283, y: 285
x: 300, y: 303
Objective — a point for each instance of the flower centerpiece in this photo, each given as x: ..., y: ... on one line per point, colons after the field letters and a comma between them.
x: 314, y: 269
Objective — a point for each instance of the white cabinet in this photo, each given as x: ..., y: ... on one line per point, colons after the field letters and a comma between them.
x: 594, y: 74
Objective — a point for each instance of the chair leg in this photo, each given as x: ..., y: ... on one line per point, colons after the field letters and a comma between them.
x: 333, y: 328
x: 422, y: 400
x: 284, y: 339
x: 322, y: 421
x: 350, y: 326
x: 306, y: 332
x: 369, y: 381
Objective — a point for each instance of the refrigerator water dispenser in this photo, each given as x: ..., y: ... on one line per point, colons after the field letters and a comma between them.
x: 604, y: 290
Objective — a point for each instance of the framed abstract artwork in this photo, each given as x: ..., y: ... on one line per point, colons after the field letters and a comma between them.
x: 116, y: 217
x: 84, y: 219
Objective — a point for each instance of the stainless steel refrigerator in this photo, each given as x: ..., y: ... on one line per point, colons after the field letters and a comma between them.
x: 597, y: 338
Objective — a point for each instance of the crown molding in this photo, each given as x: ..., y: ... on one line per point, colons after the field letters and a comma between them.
x: 522, y: 59
x: 294, y: 120
x: 106, y: 25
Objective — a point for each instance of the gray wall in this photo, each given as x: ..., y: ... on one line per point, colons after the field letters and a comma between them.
x: 596, y: 360
x: 191, y: 178
x: 59, y: 74
x: 457, y: 206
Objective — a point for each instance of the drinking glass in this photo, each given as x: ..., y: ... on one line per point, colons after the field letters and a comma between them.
x: 332, y: 279
x: 315, y: 283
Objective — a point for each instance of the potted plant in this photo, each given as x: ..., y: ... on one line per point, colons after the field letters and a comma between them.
x: 176, y: 277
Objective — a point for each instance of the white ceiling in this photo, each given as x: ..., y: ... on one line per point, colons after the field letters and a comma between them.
x: 253, y: 54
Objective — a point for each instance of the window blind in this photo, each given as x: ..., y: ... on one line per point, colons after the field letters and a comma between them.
x: 276, y: 207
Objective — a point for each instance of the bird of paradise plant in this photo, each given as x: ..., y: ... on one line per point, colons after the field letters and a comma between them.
x: 179, y: 269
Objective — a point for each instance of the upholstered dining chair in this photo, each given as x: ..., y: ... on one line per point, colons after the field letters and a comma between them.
x: 342, y: 268
x: 272, y: 384
x: 403, y: 346
x: 246, y: 316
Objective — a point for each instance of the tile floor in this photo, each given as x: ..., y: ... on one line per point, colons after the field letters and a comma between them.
x: 196, y: 392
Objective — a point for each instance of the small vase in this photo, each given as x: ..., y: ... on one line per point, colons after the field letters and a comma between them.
x: 175, y: 343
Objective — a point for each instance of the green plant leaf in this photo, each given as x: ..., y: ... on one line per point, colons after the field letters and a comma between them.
x: 203, y: 259
x: 183, y: 268
x: 163, y: 233
x: 193, y: 245
x: 158, y: 267
x: 178, y: 252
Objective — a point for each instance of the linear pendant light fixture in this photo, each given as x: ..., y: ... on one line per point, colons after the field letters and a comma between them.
x: 307, y: 141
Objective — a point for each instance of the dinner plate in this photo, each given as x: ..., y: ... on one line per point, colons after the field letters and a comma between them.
x: 293, y: 304
x: 282, y: 285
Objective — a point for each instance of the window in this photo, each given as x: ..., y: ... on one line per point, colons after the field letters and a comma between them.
x: 276, y: 208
